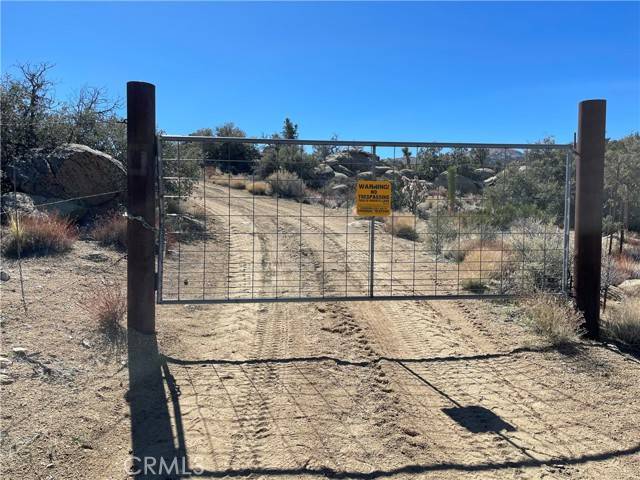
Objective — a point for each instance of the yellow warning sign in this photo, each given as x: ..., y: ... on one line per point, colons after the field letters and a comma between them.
x: 373, y: 198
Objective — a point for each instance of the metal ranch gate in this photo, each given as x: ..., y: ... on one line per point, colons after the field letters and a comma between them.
x: 274, y: 220
x: 215, y: 220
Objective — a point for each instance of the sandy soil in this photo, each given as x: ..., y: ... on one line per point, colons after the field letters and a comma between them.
x: 443, y: 389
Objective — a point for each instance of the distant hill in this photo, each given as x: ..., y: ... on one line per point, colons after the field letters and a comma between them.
x: 503, y: 156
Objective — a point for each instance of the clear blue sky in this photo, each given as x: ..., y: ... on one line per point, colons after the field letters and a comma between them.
x: 494, y: 72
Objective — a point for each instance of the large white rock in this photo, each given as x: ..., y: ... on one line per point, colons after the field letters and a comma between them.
x: 70, y: 171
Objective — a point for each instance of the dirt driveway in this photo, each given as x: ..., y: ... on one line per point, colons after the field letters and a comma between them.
x: 365, y: 389
x: 413, y: 389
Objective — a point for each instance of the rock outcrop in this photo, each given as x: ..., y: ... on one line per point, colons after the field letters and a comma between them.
x: 464, y: 185
x: 70, y: 171
x: 353, y: 160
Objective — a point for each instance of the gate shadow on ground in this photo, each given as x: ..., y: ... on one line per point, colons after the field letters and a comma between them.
x: 155, y: 399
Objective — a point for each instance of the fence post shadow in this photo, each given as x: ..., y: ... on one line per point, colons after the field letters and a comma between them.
x: 152, y: 440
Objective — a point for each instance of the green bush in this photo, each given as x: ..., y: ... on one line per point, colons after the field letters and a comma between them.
x: 290, y: 158
x: 286, y: 184
x: 533, y: 188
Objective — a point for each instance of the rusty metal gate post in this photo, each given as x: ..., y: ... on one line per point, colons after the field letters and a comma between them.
x: 588, y: 218
x: 141, y: 206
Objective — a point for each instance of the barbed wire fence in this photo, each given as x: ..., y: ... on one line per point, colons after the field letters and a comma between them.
x: 16, y: 217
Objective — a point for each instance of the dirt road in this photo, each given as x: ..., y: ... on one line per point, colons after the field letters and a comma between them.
x: 366, y: 389
x: 411, y: 389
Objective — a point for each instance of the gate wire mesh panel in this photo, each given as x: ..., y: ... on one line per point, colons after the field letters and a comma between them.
x: 275, y: 220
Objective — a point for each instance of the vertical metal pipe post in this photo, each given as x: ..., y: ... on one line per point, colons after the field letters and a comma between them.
x: 141, y: 206
x: 567, y: 223
x: 588, y: 216
x: 161, y: 238
x: 372, y: 230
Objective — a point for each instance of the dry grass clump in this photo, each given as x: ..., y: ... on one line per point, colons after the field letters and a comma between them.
x: 111, y: 231
x: 553, y: 317
x: 237, y: 183
x: 258, y: 188
x: 219, y: 179
x: 627, y: 266
x: 39, y: 235
x: 402, y: 225
x: 623, y: 322
x: 108, y: 307
x: 483, y: 259
x: 287, y: 184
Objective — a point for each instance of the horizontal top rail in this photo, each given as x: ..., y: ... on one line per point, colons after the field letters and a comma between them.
x: 363, y: 143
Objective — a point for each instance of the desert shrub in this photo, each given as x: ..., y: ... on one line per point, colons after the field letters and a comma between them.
x: 553, y: 317
x: 286, y: 184
x: 454, y: 253
x: 628, y: 267
x: 537, y: 251
x: 188, y: 220
x: 484, y: 260
x: 401, y: 225
x: 534, y: 187
x: 182, y: 166
x: 477, y: 223
x: 474, y: 285
x: 623, y: 322
x: 108, y: 307
x: 186, y: 207
x: 633, y: 250
x: 39, y: 235
x: 228, y: 181
x: 442, y: 229
x: 424, y: 208
x: 610, y: 274
x: 258, y: 188
x: 111, y: 231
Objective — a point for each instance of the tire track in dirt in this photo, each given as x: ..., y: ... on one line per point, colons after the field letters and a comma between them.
x: 250, y: 405
x: 386, y: 400
x: 374, y: 390
x: 270, y: 341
